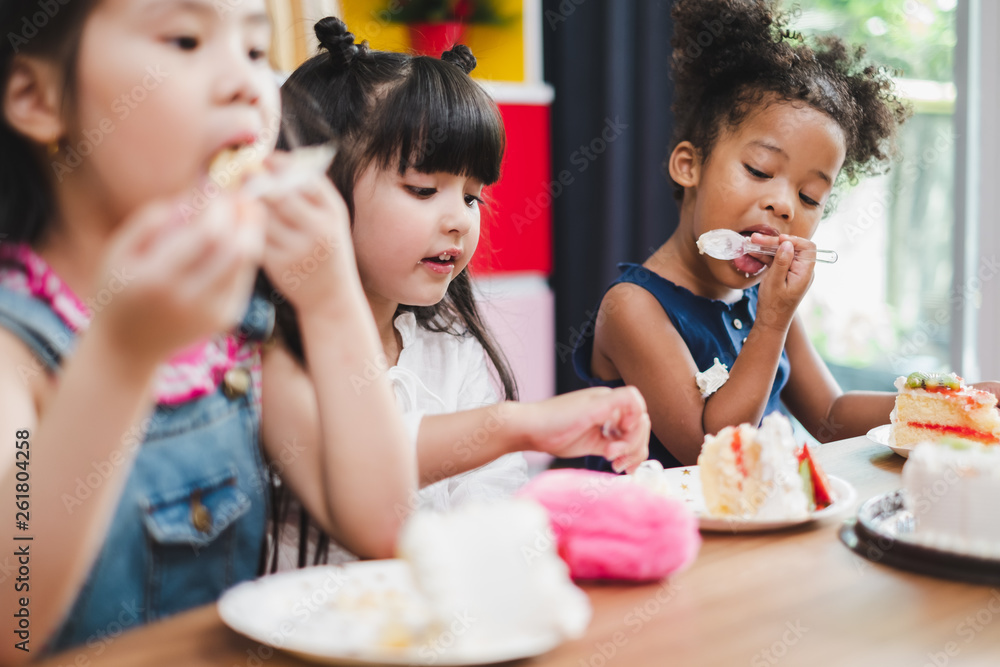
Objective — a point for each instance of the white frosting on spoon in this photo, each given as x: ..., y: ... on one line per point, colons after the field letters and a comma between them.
x: 721, y: 244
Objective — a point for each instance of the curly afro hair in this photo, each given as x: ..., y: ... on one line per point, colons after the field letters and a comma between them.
x: 731, y: 56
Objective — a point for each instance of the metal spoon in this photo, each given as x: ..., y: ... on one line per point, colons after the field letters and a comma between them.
x: 727, y: 244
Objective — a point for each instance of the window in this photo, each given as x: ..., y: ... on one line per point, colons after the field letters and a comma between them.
x: 887, y: 307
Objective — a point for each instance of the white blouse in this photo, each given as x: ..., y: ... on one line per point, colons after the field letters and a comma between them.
x: 441, y: 373
x: 436, y: 373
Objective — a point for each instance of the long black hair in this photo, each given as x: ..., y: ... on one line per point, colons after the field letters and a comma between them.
x: 397, y: 110
x: 27, y: 202
x: 729, y: 56
x: 393, y: 110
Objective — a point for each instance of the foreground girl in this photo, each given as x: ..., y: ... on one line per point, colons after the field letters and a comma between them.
x: 123, y: 373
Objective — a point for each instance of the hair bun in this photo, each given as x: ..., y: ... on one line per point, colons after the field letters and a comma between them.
x: 460, y: 55
x: 334, y: 36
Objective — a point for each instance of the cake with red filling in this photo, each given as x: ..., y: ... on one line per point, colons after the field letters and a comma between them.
x: 931, y: 405
x: 760, y: 473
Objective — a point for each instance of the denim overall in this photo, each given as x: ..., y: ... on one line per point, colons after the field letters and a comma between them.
x: 191, y: 520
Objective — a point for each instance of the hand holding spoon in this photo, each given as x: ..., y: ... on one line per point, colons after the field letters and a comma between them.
x: 727, y: 244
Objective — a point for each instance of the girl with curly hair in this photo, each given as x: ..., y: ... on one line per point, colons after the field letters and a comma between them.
x: 767, y: 123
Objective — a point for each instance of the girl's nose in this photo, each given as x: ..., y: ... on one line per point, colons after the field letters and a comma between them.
x: 237, y: 79
x: 780, y: 203
x: 459, y: 219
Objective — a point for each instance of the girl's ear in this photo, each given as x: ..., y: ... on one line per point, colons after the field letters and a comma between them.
x: 32, y: 100
x: 684, y: 165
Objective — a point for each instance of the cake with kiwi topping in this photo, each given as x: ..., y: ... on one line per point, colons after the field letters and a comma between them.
x: 931, y: 405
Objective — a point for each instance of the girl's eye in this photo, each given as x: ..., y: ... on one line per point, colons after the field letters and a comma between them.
x: 755, y: 172
x: 471, y: 200
x: 808, y: 201
x: 258, y: 54
x: 421, y: 192
x: 186, y: 43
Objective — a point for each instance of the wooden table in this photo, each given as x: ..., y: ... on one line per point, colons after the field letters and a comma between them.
x: 794, y: 597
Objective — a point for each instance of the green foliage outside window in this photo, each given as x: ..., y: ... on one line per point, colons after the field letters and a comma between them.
x: 916, y: 37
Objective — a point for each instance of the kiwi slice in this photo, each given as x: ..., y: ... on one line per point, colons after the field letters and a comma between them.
x: 920, y: 380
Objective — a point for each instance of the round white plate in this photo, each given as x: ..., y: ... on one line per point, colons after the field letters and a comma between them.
x: 338, y: 615
x: 880, y: 436
x: 686, y: 483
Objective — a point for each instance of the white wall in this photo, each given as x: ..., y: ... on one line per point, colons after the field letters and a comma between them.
x: 984, y: 182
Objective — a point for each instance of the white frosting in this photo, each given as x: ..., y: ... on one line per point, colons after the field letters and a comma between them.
x: 711, y: 380
x: 759, y: 482
x: 649, y: 475
x: 721, y: 244
x: 495, y: 565
x: 784, y: 497
x: 953, y: 495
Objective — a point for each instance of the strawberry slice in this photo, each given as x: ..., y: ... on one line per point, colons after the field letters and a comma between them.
x: 822, y: 492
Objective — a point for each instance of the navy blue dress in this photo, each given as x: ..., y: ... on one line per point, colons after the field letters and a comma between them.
x: 709, y: 328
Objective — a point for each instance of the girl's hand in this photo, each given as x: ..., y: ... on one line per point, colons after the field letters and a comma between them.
x: 308, y: 252
x: 785, y: 282
x: 612, y: 423
x: 168, y: 282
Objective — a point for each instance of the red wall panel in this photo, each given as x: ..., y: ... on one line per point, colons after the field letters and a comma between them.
x: 517, y: 223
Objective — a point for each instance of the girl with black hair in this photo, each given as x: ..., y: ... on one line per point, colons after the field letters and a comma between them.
x: 418, y: 140
x: 132, y: 367
x: 766, y: 125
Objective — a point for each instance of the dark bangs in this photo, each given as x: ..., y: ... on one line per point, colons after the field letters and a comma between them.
x: 437, y: 119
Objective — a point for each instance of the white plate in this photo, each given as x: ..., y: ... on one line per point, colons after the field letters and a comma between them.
x: 686, y: 483
x: 339, y: 616
x: 880, y: 436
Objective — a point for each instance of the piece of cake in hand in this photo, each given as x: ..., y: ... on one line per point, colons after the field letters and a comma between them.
x: 608, y: 527
x: 242, y: 168
x: 931, y: 405
x: 491, y: 576
x: 761, y: 474
x: 234, y: 166
x: 952, y: 487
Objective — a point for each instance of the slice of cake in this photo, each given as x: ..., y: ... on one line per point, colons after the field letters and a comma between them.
x: 760, y: 474
x: 952, y: 487
x: 490, y: 572
x: 929, y: 406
